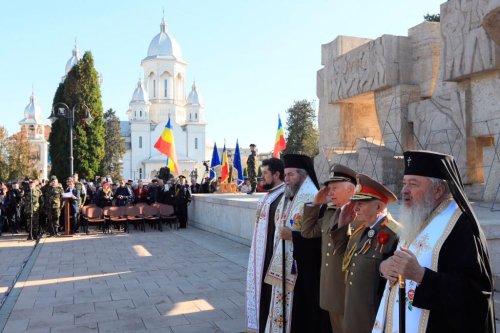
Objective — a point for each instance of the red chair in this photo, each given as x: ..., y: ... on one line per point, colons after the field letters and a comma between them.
x: 94, y: 215
x: 134, y: 215
x: 167, y: 214
x: 152, y: 216
x: 117, y: 216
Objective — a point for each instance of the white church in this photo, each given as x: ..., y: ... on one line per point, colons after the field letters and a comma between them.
x: 36, y: 129
x: 161, y: 94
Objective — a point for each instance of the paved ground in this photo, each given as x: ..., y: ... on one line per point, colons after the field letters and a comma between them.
x: 14, y: 250
x: 172, y: 281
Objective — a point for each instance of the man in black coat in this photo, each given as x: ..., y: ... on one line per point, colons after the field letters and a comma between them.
x: 443, y: 255
x: 123, y: 194
x: 14, y: 197
x: 195, y: 187
x: 182, y: 200
x: 153, y: 190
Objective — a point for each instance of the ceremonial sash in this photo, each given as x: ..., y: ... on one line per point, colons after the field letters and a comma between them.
x: 285, y: 212
x: 426, y: 248
x: 256, y: 258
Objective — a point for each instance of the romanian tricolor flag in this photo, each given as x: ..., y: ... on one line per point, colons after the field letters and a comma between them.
x: 280, y: 143
x: 165, y: 145
x: 225, y: 166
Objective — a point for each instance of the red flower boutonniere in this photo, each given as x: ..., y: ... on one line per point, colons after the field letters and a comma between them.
x: 411, y: 294
x: 382, y: 238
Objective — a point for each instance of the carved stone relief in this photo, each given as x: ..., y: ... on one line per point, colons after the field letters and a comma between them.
x: 439, y: 124
x: 466, y: 49
x: 370, y: 67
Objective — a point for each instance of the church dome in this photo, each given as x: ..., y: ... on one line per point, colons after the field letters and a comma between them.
x: 164, y: 45
x: 73, y: 60
x: 140, y: 94
x: 194, y: 98
x: 33, y: 111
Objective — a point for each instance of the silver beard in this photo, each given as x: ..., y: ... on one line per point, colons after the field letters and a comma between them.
x: 291, y: 191
x: 412, y: 218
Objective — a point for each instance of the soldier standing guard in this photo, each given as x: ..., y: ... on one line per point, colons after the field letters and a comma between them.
x: 33, y: 202
x: 251, y: 170
x: 42, y: 218
x: 52, y: 203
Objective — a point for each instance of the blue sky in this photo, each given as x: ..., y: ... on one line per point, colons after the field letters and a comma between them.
x: 251, y: 59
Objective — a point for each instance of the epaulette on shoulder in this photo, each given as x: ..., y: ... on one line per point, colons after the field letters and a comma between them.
x: 392, y: 224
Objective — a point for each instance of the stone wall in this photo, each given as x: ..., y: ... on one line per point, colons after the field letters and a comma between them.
x: 233, y: 217
x: 436, y: 89
x: 228, y: 215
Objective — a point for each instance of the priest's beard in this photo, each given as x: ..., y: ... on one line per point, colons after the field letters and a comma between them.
x: 268, y: 186
x: 292, y: 190
x: 413, y: 218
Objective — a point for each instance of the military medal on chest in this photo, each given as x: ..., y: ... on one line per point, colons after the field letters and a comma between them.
x: 368, y: 243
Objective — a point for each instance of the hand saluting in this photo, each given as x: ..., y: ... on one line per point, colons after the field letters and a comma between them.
x: 321, y: 197
x: 347, y: 215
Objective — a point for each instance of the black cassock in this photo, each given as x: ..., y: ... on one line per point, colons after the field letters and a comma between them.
x: 307, y: 316
x: 460, y: 295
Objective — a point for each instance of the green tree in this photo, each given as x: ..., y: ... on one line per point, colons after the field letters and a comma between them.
x: 81, y: 86
x: 114, y: 146
x: 4, y: 154
x: 302, y: 133
x: 432, y: 17
x: 21, y: 162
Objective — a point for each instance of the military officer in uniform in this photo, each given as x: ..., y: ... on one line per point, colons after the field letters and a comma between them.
x: 251, y: 167
x: 320, y: 218
x: 42, y: 220
x: 52, y: 203
x: 33, y: 202
x: 373, y: 238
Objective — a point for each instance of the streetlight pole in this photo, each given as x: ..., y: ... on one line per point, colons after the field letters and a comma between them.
x: 62, y: 110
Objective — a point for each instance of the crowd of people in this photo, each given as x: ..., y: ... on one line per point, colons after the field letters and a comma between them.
x: 335, y: 260
x: 35, y: 206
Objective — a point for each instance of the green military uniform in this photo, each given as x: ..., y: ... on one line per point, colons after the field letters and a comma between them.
x: 52, y: 202
x: 366, y: 249
x: 33, y: 203
x: 321, y: 221
x: 251, y: 169
x: 371, y: 241
x: 43, y: 212
x: 332, y: 286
